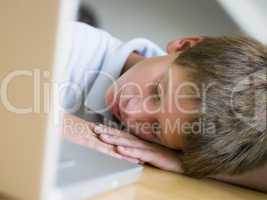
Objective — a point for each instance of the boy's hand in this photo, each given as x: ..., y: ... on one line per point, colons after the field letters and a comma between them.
x: 81, y: 132
x: 133, y: 147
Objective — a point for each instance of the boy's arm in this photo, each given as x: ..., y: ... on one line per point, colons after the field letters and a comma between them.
x: 80, y: 132
x: 256, y: 179
x: 169, y: 160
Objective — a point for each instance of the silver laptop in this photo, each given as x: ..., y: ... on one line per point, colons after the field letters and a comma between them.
x: 34, y: 44
x: 83, y: 172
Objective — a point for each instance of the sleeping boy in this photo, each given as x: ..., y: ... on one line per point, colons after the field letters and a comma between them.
x: 198, y: 109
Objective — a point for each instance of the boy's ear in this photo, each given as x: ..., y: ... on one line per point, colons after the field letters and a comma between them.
x: 179, y: 45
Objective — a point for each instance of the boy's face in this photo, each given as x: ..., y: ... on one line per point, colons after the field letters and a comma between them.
x: 150, y: 99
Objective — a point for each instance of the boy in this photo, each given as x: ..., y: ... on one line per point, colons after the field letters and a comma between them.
x: 199, y: 110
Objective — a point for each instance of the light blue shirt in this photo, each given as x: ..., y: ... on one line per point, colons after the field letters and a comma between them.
x: 96, y: 60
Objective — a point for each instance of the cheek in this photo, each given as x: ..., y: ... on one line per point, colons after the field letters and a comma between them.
x: 175, y: 141
x: 172, y: 123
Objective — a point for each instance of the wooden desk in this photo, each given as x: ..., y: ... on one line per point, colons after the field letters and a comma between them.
x: 155, y: 184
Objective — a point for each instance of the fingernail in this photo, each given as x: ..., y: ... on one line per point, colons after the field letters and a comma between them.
x: 98, y: 129
x: 105, y: 136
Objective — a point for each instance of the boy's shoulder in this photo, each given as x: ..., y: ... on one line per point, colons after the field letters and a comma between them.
x: 88, y: 44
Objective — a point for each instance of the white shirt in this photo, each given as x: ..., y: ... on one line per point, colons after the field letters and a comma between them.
x: 96, y: 59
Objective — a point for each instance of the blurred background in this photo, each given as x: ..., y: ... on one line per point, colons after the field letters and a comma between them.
x: 164, y: 20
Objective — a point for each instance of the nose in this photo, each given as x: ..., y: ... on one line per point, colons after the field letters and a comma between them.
x: 138, y: 108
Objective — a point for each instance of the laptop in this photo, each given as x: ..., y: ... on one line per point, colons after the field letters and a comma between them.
x: 35, y: 163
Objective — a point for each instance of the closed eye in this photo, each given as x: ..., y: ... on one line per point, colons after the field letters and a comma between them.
x: 155, y: 92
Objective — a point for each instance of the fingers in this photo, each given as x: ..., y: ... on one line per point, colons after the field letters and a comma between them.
x: 81, y: 132
x: 106, y: 149
x: 108, y: 130
x: 131, y: 160
x: 101, y: 129
x: 91, y: 125
x: 166, y: 160
x: 111, y: 150
x: 140, y: 154
x: 124, y: 141
x: 121, y: 138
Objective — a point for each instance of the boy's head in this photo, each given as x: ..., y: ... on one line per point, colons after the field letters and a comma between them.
x: 144, y: 97
x: 206, y: 97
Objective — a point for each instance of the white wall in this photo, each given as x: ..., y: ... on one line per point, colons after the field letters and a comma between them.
x: 250, y: 15
x: 162, y: 20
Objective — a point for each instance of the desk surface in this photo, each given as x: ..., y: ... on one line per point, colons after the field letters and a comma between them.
x: 155, y: 184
